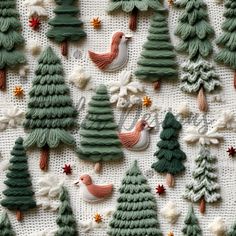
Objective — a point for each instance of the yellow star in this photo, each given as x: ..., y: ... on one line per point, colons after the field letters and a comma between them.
x: 96, y: 23
x: 18, y: 91
x: 147, y: 102
x: 98, y: 218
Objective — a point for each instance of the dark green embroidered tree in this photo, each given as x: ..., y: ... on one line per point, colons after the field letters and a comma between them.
x: 157, y: 59
x: 19, y: 194
x: 134, y: 7
x: 50, y: 110
x: 65, y: 26
x: 169, y: 155
x: 232, y: 231
x: 227, y: 54
x: 66, y: 220
x: 5, y: 225
x: 10, y: 39
x: 136, y: 212
x: 191, y: 227
x: 98, y: 132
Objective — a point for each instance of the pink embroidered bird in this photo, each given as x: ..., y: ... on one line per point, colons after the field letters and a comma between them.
x: 116, y: 58
x: 91, y: 192
x: 138, y: 139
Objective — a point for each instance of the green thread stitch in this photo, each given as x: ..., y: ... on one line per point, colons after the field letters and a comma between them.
x: 136, y: 212
x: 5, y: 225
x: 232, y: 231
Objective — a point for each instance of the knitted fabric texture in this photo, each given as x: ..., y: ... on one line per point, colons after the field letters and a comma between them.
x: 19, y: 194
x: 227, y: 54
x: 191, y: 227
x: 136, y: 212
x: 99, y: 140
x: 50, y: 111
x: 194, y: 29
x: 157, y: 59
x: 169, y: 155
x: 66, y: 220
x: 5, y: 225
x: 232, y: 230
x: 204, y: 183
x: 65, y: 25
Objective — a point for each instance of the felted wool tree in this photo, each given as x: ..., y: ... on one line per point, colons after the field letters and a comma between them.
x: 204, y: 187
x: 5, y: 225
x: 98, y: 132
x: 191, y: 227
x: 10, y: 40
x: 134, y: 7
x: 50, y: 110
x: 66, y: 220
x: 19, y: 194
x: 169, y: 155
x: 65, y: 26
x: 136, y: 212
x: 157, y: 59
x: 227, y: 54
x: 232, y: 231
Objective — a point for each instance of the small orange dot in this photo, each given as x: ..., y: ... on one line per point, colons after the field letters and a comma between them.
x: 18, y: 91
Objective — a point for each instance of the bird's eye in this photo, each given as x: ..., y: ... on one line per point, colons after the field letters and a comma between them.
x: 120, y: 37
x: 82, y: 179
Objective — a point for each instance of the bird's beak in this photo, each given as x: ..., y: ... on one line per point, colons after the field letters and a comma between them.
x: 76, y: 183
x: 128, y: 37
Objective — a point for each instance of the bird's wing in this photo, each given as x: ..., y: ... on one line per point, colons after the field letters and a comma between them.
x: 129, y: 139
x: 100, y: 191
x: 101, y: 60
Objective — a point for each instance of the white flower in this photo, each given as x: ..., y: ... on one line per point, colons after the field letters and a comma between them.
x: 170, y: 212
x: 217, y: 227
x: 79, y: 77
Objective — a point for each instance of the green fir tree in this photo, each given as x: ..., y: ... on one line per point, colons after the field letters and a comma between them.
x: 232, y: 231
x: 50, y: 110
x: 136, y: 212
x: 65, y: 26
x: 5, y: 225
x: 157, y: 59
x: 169, y: 155
x: 98, y: 132
x: 19, y: 194
x: 10, y: 39
x: 66, y: 220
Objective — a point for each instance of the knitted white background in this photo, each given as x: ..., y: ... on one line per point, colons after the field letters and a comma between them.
x: 168, y: 97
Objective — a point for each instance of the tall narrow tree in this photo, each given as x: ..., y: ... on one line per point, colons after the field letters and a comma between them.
x: 50, y: 110
x: 5, y: 225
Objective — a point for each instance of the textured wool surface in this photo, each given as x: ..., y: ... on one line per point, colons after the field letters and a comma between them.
x: 5, y: 225
x: 169, y: 96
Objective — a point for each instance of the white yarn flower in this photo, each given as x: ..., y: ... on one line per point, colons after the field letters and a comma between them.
x: 217, y: 227
x: 170, y: 212
x: 35, y: 8
x: 79, y: 78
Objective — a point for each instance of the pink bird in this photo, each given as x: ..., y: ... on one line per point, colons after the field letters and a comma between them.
x: 138, y: 139
x: 91, y: 192
x: 116, y: 58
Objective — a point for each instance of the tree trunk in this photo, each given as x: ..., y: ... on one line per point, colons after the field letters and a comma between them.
x: 44, y: 158
x: 98, y: 167
x: 202, y: 102
x: 157, y: 85
x: 202, y: 205
x: 170, y: 180
x: 3, y: 79
x: 19, y: 215
x: 133, y: 19
x: 64, y: 48
x: 235, y: 79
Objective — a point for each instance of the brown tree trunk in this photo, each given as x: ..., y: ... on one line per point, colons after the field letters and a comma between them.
x: 3, y: 79
x: 202, y: 205
x: 235, y: 79
x: 44, y: 158
x: 202, y: 102
x: 64, y: 48
x: 170, y: 180
x: 133, y: 19
x: 157, y: 85
x: 19, y: 215
x: 98, y: 167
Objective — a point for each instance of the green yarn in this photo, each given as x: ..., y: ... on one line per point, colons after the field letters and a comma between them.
x: 50, y: 110
x: 157, y: 59
x: 5, y: 225
x: 99, y: 140
x: 136, y: 212
x: 19, y: 194
x: 66, y: 220
x: 232, y: 231
x: 227, y: 54
x: 65, y: 25
x: 194, y: 29
x: 191, y: 227
x: 10, y: 36
x: 169, y: 155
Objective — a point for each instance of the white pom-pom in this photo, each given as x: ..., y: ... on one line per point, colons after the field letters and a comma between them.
x: 170, y: 212
x: 79, y: 78
x: 184, y: 110
x: 23, y: 71
x: 217, y: 227
x: 33, y: 47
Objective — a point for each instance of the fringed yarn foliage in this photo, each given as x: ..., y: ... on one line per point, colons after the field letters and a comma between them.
x: 136, y: 212
x: 5, y: 225
x: 232, y: 230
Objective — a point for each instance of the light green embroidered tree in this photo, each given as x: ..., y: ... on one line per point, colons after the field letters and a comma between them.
x: 191, y: 227
x: 136, y: 212
x: 50, y: 110
x: 5, y: 225
x: 204, y: 187
x: 10, y: 39
x: 157, y: 59
x: 134, y: 6
x: 98, y: 132
x: 232, y: 231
